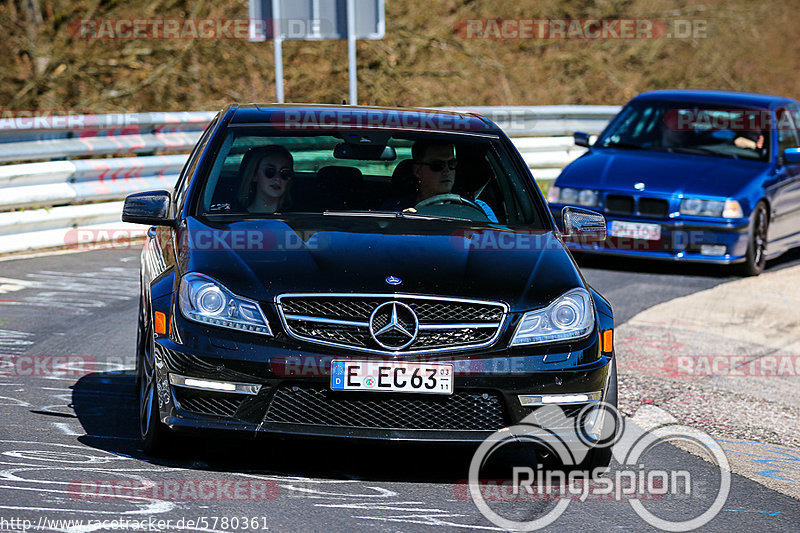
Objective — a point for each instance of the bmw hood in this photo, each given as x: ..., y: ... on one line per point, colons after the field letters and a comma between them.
x: 262, y: 259
x: 660, y: 172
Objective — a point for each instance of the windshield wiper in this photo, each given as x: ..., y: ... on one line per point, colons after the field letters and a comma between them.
x: 416, y: 216
x: 700, y: 150
x: 384, y: 214
x: 623, y: 144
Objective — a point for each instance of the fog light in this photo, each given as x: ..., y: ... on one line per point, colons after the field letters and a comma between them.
x: 713, y: 249
x: 213, y: 385
x: 535, y: 400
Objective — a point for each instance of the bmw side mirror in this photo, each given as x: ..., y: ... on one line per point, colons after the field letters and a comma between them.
x: 582, y: 225
x: 581, y: 139
x: 792, y: 155
x: 151, y: 208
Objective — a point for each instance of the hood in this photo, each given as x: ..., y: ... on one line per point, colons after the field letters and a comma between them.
x: 661, y: 172
x: 315, y: 253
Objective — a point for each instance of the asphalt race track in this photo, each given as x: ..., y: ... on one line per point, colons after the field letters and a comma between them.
x: 69, y: 449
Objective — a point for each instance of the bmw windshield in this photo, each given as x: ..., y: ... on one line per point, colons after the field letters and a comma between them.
x: 695, y: 129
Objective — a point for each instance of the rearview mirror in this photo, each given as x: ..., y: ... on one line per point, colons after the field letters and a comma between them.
x: 364, y: 152
x: 582, y: 225
x: 151, y: 208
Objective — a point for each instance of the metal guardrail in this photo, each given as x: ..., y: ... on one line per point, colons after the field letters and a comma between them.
x: 75, y: 197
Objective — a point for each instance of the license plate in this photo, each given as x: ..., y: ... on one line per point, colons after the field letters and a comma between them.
x: 635, y: 230
x: 391, y: 376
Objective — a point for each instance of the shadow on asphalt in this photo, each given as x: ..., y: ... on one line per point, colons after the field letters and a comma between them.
x: 723, y: 272
x: 106, y: 406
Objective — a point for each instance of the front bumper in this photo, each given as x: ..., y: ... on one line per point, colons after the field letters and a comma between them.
x: 293, y: 396
x: 684, y: 239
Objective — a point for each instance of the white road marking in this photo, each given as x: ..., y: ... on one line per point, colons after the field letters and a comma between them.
x: 380, y: 492
x: 66, y: 429
x: 14, y: 342
x: 429, y: 521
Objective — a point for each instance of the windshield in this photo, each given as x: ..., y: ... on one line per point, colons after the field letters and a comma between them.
x: 258, y: 173
x: 696, y: 128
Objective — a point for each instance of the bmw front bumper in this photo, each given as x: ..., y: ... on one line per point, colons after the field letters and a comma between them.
x: 693, y: 239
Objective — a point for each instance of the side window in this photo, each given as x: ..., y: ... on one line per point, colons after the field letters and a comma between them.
x: 787, y: 131
x: 182, y: 185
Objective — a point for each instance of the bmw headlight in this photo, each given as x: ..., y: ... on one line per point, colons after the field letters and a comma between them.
x: 569, y: 317
x: 204, y: 300
x: 711, y: 208
x: 569, y: 195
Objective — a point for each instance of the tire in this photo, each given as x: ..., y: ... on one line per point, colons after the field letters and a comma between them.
x: 139, y: 345
x: 755, y: 258
x: 156, y: 438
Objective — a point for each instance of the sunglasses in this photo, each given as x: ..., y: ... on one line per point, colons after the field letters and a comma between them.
x: 437, y: 165
x: 284, y: 174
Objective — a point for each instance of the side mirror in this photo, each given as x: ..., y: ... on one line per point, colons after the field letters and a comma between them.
x: 581, y: 139
x: 151, y: 208
x: 792, y: 155
x: 582, y: 225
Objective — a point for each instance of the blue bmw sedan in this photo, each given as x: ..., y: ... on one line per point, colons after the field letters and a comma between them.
x: 704, y: 176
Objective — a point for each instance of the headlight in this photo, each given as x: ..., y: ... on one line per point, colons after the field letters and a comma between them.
x: 204, y: 300
x: 569, y: 195
x: 587, y: 197
x: 711, y: 208
x: 569, y: 317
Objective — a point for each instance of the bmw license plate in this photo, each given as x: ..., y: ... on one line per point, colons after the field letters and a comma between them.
x: 634, y: 230
x: 392, y: 376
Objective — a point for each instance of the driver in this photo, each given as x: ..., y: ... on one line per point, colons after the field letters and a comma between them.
x: 435, y: 172
x: 434, y: 168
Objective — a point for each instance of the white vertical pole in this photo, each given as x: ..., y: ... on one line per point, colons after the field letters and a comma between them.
x: 351, y: 50
x: 277, y: 39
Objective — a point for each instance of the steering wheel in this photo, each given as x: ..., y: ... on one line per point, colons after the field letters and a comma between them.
x: 449, y: 198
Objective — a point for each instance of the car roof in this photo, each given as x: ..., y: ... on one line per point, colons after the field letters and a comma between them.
x: 318, y: 116
x: 752, y: 100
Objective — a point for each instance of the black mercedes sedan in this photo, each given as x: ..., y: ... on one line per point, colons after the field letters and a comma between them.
x: 362, y: 273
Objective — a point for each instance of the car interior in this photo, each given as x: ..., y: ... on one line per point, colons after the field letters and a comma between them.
x: 323, y: 183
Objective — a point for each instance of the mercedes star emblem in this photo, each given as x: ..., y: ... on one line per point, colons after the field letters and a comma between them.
x: 393, y: 325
